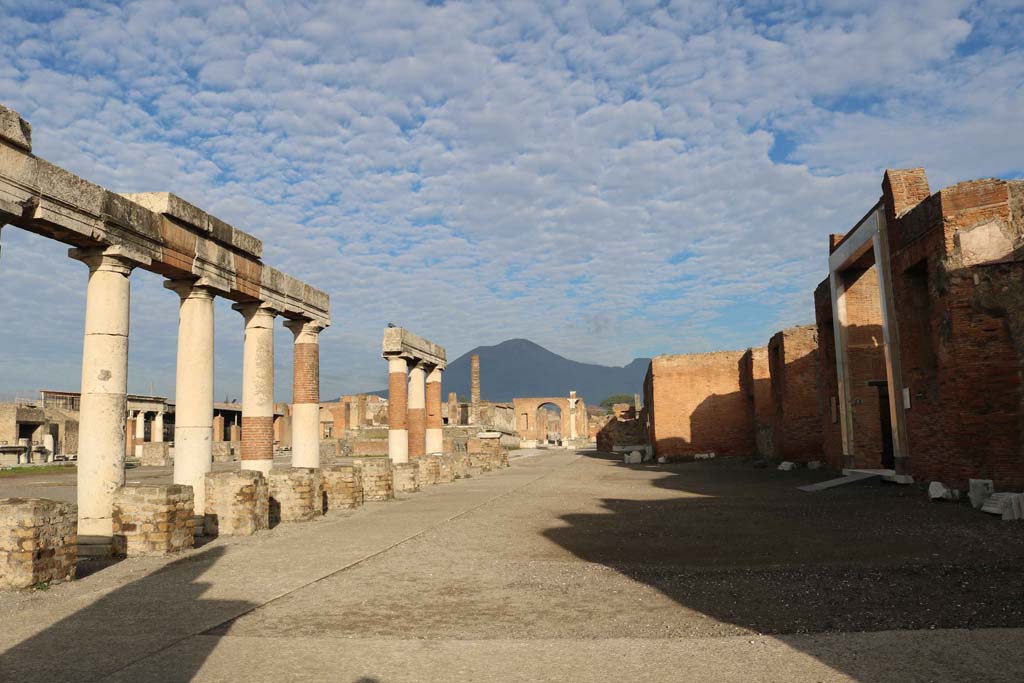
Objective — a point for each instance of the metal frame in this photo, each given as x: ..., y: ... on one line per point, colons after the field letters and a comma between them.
x: 870, y: 234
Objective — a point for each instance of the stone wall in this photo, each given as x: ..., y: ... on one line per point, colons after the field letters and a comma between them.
x: 343, y: 485
x: 796, y: 423
x: 427, y: 471
x: 755, y: 382
x: 237, y: 503
x: 156, y: 454
x: 378, y: 482
x: 38, y: 542
x: 153, y: 519
x: 696, y: 405
x: 226, y: 451
x: 826, y: 379
x: 296, y: 494
x: 405, y: 477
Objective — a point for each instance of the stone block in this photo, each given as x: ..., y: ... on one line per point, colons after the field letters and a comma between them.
x: 343, y: 486
x: 155, y: 454
x: 226, y: 451
x: 237, y: 503
x: 296, y: 494
x: 445, y: 469
x: 378, y: 478
x: 979, y: 490
x: 427, y: 471
x: 38, y: 542
x: 404, y: 476
x: 153, y: 519
x: 460, y: 465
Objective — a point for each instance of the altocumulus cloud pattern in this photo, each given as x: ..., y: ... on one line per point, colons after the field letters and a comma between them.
x: 608, y: 179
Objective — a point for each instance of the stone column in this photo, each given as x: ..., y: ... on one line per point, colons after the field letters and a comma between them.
x: 398, y: 395
x: 157, y: 431
x: 435, y: 424
x: 572, y: 415
x: 361, y: 410
x: 306, y: 393
x: 129, y: 434
x: 218, y: 428
x: 193, y: 419
x: 257, y: 387
x: 474, y: 395
x: 235, y: 432
x: 101, y: 427
x: 417, y: 411
x: 140, y: 432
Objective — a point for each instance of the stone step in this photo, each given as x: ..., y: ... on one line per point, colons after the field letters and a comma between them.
x: 852, y: 478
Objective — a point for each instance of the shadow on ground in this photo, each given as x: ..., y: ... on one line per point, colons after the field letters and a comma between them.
x: 126, y: 625
x: 742, y: 546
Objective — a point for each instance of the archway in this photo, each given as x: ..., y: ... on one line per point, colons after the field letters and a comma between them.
x: 527, y: 409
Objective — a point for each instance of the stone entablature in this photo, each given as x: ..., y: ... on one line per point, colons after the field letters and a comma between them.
x: 399, y: 341
x: 38, y: 541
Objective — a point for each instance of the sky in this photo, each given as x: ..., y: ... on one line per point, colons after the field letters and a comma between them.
x: 610, y: 180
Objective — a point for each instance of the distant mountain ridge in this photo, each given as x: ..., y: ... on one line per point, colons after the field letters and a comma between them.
x: 520, y: 368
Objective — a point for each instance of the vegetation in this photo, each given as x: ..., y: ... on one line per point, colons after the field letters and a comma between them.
x: 616, y: 398
x: 42, y: 469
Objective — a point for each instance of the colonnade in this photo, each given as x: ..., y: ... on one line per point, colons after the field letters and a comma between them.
x: 103, y: 411
x: 415, y: 369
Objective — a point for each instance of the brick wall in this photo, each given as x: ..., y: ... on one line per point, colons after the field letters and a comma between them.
x: 697, y: 406
x: 796, y: 423
x: 826, y: 381
x: 755, y: 382
x: 38, y: 542
x: 153, y: 519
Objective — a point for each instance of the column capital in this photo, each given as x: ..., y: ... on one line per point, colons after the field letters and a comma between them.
x: 434, y: 374
x: 259, y: 312
x: 306, y: 331
x: 116, y: 258
x: 191, y: 289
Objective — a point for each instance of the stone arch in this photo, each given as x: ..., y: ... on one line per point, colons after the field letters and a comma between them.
x: 526, y: 411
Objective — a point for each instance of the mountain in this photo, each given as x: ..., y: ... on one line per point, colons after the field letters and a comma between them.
x: 519, y: 368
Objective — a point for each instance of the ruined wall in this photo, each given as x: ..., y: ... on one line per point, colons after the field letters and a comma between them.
x: 826, y: 381
x: 755, y: 383
x: 696, y: 405
x: 958, y: 285
x: 796, y: 424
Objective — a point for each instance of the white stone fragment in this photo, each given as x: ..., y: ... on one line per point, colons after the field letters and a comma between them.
x: 633, y: 458
x: 980, y: 490
x: 786, y: 466
x: 938, y: 491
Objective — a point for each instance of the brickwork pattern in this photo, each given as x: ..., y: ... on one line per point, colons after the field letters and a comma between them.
x: 296, y: 494
x: 755, y: 382
x: 257, y: 438
x: 398, y: 400
x: 405, y: 477
x: 417, y: 426
x: 343, y: 485
x: 427, y: 471
x: 237, y: 503
x: 306, y: 375
x: 697, y: 405
x: 153, y: 519
x: 38, y: 542
x: 433, y: 402
x: 378, y: 479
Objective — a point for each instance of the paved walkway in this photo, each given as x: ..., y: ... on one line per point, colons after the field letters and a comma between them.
x: 561, y: 568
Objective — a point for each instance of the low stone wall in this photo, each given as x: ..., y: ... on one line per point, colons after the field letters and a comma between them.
x: 404, y: 476
x: 362, y: 446
x: 427, y: 471
x: 156, y: 454
x: 445, y: 469
x: 38, y: 542
x: 343, y: 485
x: 378, y: 482
x: 296, y: 494
x: 226, y: 451
x: 153, y: 519
x: 237, y: 503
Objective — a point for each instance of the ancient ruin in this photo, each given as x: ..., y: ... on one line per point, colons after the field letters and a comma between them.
x: 415, y: 366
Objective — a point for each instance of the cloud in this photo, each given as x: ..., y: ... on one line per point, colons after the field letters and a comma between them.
x: 608, y: 179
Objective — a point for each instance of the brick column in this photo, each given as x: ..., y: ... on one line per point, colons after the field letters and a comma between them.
x: 306, y: 393
x: 257, y: 387
x: 193, y: 389
x: 398, y: 399
x: 453, y: 408
x: 218, y: 428
x: 417, y: 411
x: 435, y: 423
x: 474, y: 395
x: 102, y: 411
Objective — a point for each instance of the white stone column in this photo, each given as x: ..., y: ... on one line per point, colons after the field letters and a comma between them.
x: 158, y: 428
x: 193, y: 389
x: 257, y: 387
x: 140, y: 432
x: 398, y: 396
x: 306, y: 393
x: 435, y: 422
x: 102, y: 412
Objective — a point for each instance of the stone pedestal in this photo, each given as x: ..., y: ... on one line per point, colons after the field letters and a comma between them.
x: 405, y: 477
x: 237, y: 503
x: 296, y: 494
x: 427, y: 473
x: 378, y: 481
x: 38, y: 542
x: 460, y: 465
x: 156, y: 454
x: 343, y: 485
x: 153, y: 519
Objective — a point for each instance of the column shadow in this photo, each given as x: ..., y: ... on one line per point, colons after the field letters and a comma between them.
x: 742, y: 546
x: 126, y: 625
